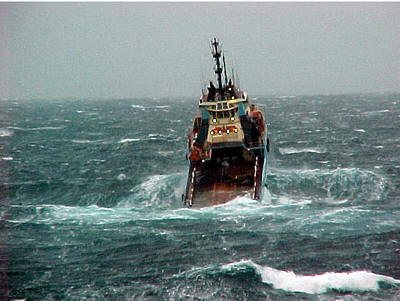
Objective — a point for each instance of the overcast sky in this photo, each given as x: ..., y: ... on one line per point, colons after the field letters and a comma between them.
x: 51, y: 50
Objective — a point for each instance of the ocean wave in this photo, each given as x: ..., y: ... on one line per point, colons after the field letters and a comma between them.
x: 86, y: 141
x: 140, y: 107
x: 331, y: 185
x: 163, y: 137
x: 159, y: 198
x: 292, y: 150
x: 165, y: 153
x: 359, y: 130
x: 157, y: 191
x: 89, y: 215
x: 42, y: 128
x: 372, y: 113
x: 7, y: 158
x: 129, y: 140
x: 151, y: 137
x: 6, y: 133
x: 286, y: 97
x: 151, y: 203
x: 356, y: 281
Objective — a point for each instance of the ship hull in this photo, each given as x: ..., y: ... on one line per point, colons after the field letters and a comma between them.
x: 231, y: 172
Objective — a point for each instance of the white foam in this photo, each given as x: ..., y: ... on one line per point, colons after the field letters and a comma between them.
x: 42, y: 128
x: 150, y: 137
x: 137, y: 106
x: 84, y: 141
x: 121, y: 177
x: 157, y: 191
x: 151, y: 107
x: 375, y: 112
x: 234, y: 210
x: 93, y: 215
x: 7, y: 158
x: 287, y: 201
x: 317, y: 284
x: 157, y: 107
x: 292, y: 150
x: 80, y: 141
x: 5, y: 133
x: 165, y: 153
x: 129, y: 140
x: 359, y: 130
x: 286, y: 96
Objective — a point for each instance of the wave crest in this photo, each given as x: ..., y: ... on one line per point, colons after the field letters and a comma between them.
x: 292, y: 150
x: 339, y: 184
x: 313, y: 284
x: 6, y: 133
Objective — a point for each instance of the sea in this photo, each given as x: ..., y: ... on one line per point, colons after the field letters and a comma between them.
x: 91, y: 203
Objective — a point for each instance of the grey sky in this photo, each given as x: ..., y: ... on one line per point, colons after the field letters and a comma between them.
x: 156, y: 49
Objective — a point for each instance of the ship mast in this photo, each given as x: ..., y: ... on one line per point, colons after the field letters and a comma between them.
x: 226, y: 78
x: 218, y: 70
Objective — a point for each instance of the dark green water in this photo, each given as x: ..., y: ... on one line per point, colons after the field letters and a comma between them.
x: 91, y: 204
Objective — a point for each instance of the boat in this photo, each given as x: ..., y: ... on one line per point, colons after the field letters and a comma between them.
x: 228, y: 144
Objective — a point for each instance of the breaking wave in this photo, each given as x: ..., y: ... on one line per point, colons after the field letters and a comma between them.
x: 159, y: 198
x: 157, y: 192
x: 355, y: 281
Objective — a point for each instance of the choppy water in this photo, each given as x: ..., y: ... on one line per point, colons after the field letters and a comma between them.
x: 91, y: 204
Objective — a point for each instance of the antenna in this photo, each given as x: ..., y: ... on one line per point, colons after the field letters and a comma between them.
x: 218, y: 70
x: 226, y: 78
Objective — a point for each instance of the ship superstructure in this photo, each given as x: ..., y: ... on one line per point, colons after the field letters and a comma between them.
x: 226, y: 145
